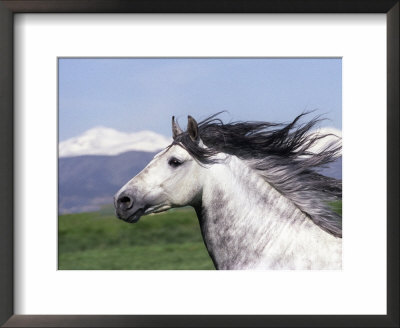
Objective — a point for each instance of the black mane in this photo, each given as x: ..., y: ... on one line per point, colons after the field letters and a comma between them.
x: 282, y: 155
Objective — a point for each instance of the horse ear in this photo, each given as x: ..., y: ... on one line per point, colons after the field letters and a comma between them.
x: 176, y: 130
x: 193, y: 129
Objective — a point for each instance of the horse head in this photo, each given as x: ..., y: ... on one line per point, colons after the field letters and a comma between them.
x: 171, y: 179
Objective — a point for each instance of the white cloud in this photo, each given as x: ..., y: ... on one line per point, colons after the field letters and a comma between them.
x: 107, y: 141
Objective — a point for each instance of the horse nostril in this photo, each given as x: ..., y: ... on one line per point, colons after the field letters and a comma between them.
x: 125, y: 199
x: 124, y: 202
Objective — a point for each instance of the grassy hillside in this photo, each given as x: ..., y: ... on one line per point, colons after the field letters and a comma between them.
x: 166, y: 241
x: 99, y: 241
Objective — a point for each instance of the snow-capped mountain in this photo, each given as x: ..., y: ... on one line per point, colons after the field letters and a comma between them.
x: 86, y: 182
x: 107, y: 141
x: 333, y: 137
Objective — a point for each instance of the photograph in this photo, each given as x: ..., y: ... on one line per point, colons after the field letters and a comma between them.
x: 199, y: 163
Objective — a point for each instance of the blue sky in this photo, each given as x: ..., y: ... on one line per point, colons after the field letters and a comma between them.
x: 142, y: 94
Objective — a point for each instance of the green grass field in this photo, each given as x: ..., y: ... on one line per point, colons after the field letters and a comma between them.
x: 337, y: 207
x: 99, y: 241
x: 167, y: 241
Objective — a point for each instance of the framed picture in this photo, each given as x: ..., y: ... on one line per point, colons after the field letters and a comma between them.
x: 170, y: 236
x: 45, y: 82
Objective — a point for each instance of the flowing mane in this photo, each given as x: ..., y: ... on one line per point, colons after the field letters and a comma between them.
x: 282, y: 154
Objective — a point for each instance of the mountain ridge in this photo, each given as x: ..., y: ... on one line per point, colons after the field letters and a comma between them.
x: 101, y: 140
x: 95, y: 165
x: 87, y: 182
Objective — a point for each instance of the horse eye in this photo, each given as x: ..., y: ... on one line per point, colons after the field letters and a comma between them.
x: 174, y: 162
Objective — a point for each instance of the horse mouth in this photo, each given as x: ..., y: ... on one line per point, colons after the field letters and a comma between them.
x: 135, y: 216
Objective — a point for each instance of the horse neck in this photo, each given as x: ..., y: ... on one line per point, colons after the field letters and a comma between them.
x: 245, y: 221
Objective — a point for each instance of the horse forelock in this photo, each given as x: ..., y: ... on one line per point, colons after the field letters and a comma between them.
x: 281, y: 154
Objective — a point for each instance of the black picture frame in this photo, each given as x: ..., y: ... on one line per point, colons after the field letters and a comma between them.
x: 10, y: 7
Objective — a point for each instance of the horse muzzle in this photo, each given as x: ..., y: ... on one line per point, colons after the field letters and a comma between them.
x: 127, y: 209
